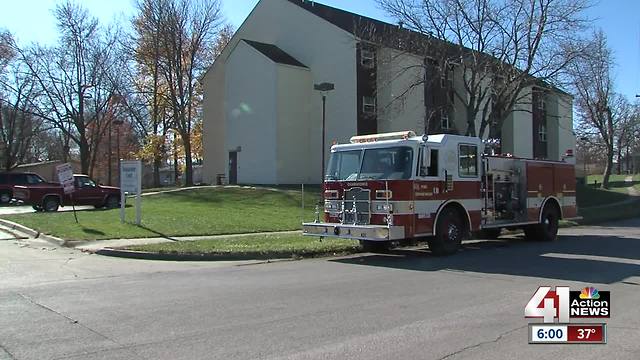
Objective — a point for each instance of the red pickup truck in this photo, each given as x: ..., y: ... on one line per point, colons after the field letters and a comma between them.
x: 50, y: 196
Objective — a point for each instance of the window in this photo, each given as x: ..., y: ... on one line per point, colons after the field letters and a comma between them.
x: 542, y: 133
x: 344, y: 165
x: 444, y: 120
x: 84, y: 182
x: 34, y: 179
x: 20, y: 179
x: 368, y: 104
x: 387, y: 163
x: 432, y: 170
x: 539, y: 100
x: 3, y: 178
x: 468, y: 160
x: 368, y: 58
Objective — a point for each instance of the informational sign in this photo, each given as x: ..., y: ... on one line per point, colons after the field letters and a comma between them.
x: 131, y: 183
x: 65, y: 177
x: 131, y: 176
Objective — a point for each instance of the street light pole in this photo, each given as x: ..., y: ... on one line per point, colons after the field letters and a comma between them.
x: 324, y: 88
x: 324, y: 109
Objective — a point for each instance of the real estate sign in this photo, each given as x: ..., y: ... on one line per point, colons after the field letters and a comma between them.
x: 65, y: 177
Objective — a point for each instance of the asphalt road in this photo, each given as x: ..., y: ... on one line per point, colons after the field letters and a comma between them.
x: 61, y: 304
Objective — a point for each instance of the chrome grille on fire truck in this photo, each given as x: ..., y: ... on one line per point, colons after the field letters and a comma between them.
x: 362, y: 199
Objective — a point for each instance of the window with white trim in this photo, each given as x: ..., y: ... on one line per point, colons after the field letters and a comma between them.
x: 542, y: 133
x: 368, y: 58
x: 444, y: 119
x: 368, y: 104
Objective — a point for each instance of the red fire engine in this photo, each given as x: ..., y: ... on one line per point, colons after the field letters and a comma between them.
x: 388, y: 187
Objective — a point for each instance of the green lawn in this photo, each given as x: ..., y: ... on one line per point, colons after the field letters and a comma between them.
x: 257, y: 245
x: 609, y: 213
x: 617, y: 183
x: 210, y: 211
x: 587, y: 196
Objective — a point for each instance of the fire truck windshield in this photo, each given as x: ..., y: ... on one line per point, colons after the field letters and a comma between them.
x: 393, y: 163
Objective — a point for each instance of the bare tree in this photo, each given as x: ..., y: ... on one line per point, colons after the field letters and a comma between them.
x: 498, y: 48
x: 599, y: 108
x: 17, y: 125
x: 74, y: 80
x: 187, y: 33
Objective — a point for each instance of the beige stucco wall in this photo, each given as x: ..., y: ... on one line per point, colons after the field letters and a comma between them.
x: 328, y: 51
x: 400, y: 93
x: 517, y: 129
x: 214, y: 125
x: 251, y: 114
x: 294, y: 87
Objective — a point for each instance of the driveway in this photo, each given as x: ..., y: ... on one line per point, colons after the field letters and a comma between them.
x: 20, y: 209
x: 58, y: 303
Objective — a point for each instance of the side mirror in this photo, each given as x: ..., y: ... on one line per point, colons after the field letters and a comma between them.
x: 426, y: 157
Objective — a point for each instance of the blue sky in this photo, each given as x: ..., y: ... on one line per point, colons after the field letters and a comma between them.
x: 31, y: 20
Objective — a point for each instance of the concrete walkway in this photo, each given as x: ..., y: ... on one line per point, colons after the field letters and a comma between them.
x: 93, y: 246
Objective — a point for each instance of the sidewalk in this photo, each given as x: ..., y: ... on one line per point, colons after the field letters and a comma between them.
x: 93, y: 246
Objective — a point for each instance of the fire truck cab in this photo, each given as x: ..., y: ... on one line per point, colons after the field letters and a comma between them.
x: 388, y: 187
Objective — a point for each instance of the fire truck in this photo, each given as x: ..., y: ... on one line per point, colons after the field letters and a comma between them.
x: 383, y: 188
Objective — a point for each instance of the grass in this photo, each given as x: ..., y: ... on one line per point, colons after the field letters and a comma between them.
x: 587, y: 196
x: 257, y: 246
x: 610, y: 213
x: 617, y: 183
x: 210, y: 211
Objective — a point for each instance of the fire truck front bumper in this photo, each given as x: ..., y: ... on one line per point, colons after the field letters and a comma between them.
x: 356, y: 232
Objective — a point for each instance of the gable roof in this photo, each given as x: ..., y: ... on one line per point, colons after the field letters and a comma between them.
x: 274, y: 53
x: 387, y: 34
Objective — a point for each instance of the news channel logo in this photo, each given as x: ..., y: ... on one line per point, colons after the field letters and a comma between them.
x: 562, y: 304
x: 557, y: 307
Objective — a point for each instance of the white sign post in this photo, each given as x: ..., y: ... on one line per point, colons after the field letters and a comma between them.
x: 131, y: 182
x: 65, y: 177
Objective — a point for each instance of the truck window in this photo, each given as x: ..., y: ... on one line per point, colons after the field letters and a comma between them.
x: 392, y: 163
x: 433, y: 169
x: 344, y: 165
x: 34, y: 179
x: 468, y: 160
x: 20, y: 179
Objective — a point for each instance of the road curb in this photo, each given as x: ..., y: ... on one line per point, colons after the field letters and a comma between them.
x: 143, y: 255
x: 33, y: 233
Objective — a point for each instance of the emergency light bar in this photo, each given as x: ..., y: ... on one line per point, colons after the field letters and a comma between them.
x: 385, y: 136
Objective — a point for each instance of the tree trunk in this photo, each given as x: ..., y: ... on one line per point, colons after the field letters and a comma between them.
x: 471, y: 123
x: 157, y: 162
x: 188, y: 161
x: 85, y: 157
x: 619, y: 156
x: 607, y: 169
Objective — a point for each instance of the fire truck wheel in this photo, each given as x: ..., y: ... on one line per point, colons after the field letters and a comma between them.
x: 548, y: 229
x: 375, y: 246
x: 449, y: 233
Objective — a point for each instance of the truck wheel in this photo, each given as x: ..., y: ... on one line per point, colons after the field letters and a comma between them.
x: 112, y: 202
x: 5, y: 197
x: 449, y: 233
x: 50, y: 204
x: 548, y: 229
